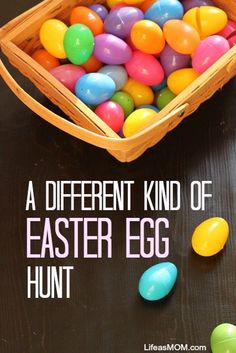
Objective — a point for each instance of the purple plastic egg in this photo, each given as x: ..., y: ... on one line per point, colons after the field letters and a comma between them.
x: 189, y: 4
x: 120, y: 21
x: 100, y: 10
x: 172, y: 61
x: 208, y: 52
x: 68, y: 75
x: 111, y: 50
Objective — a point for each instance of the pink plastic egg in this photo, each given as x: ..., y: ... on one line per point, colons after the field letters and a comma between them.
x: 208, y: 52
x: 145, y: 68
x: 112, y: 114
x: 111, y: 50
x: 68, y: 75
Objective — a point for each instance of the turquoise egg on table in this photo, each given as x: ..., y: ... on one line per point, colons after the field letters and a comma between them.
x: 157, y: 281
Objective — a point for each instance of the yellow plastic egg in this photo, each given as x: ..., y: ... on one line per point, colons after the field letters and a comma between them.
x: 207, y: 20
x: 137, y: 120
x: 132, y: 2
x: 111, y: 3
x: 51, y: 35
x: 140, y: 93
x: 210, y: 236
x: 180, y: 79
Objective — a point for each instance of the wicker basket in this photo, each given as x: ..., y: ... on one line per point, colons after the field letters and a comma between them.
x: 20, y: 38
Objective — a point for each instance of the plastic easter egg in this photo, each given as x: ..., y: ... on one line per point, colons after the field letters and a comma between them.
x: 45, y: 59
x: 162, y: 11
x: 229, y: 33
x: 157, y: 281
x: 120, y: 21
x: 112, y: 3
x: 146, y: 4
x: 51, y: 36
x: 189, y: 4
x: 68, y: 75
x: 112, y: 114
x: 210, y: 236
x: 132, y: 2
x: 86, y: 16
x: 145, y: 68
x: 172, y: 61
x: 117, y: 73
x: 111, y: 50
x: 94, y: 88
x: 181, y: 36
x: 165, y: 97
x: 140, y: 93
x: 208, y: 52
x: 92, y: 64
x: 223, y: 339
x: 100, y: 10
x: 207, y: 20
x: 149, y: 106
x: 78, y: 43
x: 147, y: 36
x: 125, y: 101
x: 181, y: 79
x: 138, y: 120
x: 159, y: 87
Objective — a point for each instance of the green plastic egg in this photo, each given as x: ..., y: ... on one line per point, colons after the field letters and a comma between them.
x: 223, y: 339
x: 78, y: 43
x: 125, y: 101
x: 165, y: 97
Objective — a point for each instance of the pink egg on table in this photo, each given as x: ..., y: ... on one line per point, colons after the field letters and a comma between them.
x: 208, y: 52
x: 68, y: 75
x: 111, y: 50
x: 112, y: 114
x: 229, y: 33
x: 145, y: 68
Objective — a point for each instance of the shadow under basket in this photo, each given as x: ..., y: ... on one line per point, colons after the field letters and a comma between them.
x: 20, y: 38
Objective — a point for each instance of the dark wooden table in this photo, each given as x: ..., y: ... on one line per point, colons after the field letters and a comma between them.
x: 105, y: 313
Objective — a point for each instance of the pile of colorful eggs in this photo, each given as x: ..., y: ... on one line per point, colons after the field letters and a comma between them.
x: 127, y: 60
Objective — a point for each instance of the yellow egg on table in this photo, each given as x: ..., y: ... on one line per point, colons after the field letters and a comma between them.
x: 210, y: 237
x: 51, y: 36
x: 207, y: 20
x: 180, y: 79
x: 138, y: 120
x: 140, y: 93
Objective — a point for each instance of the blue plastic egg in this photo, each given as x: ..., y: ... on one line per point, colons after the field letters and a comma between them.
x: 149, y: 106
x: 163, y: 11
x: 159, y: 87
x: 117, y: 73
x: 157, y: 281
x: 95, y: 88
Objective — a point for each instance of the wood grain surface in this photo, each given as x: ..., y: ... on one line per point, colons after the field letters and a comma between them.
x: 105, y: 313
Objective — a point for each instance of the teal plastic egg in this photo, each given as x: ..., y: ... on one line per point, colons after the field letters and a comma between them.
x: 78, y: 43
x: 157, y: 281
x: 223, y: 339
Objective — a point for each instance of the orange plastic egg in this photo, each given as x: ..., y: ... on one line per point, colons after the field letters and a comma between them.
x: 87, y: 17
x: 45, y: 59
x: 146, y: 4
x: 181, y: 36
x: 92, y: 65
x: 111, y: 3
x: 148, y: 37
x: 180, y: 79
x: 140, y: 93
x: 207, y: 20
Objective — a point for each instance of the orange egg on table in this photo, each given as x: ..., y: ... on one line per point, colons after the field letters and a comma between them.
x: 148, y: 37
x: 180, y: 79
x: 146, y: 4
x: 45, y: 59
x: 181, y: 36
x: 207, y: 20
x: 87, y: 17
x: 92, y: 65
